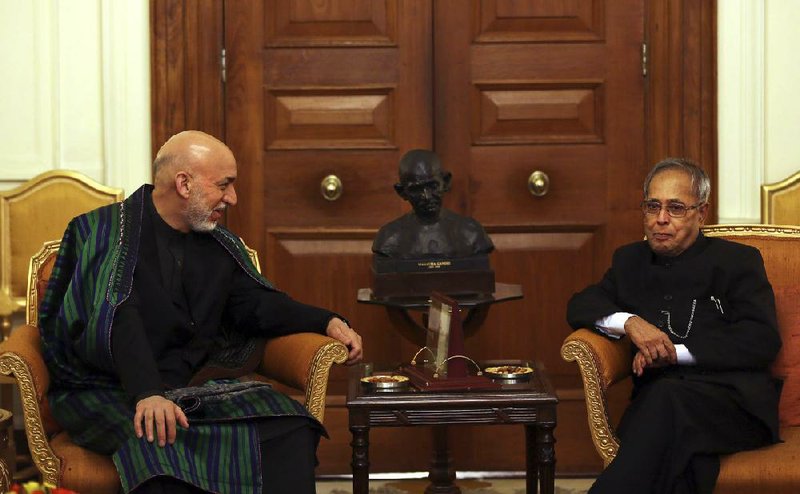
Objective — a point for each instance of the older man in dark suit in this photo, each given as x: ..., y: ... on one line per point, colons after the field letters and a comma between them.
x: 701, y: 315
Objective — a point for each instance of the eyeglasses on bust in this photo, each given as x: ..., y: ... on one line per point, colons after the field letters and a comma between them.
x: 674, y: 209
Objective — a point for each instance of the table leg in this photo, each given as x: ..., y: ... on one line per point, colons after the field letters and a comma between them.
x: 531, y: 460
x: 441, y: 474
x: 360, y: 463
x: 546, y: 457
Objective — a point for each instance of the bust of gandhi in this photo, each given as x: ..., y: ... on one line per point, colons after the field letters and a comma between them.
x: 430, y: 231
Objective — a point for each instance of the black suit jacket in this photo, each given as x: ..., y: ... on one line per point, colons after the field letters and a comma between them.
x: 733, y: 336
x: 168, y: 329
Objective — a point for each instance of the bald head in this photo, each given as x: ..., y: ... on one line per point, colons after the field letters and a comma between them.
x: 185, y: 151
x: 193, y: 174
x: 422, y: 183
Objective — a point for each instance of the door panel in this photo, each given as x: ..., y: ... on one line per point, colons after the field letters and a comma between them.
x: 542, y: 21
x: 499, y: 185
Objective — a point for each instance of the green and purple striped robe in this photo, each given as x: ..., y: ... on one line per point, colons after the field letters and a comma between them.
x: 92, y: 276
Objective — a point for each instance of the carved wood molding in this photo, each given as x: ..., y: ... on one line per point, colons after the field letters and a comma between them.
x: 46, y: 461
x: 332, y: 353
x: 603, y: 437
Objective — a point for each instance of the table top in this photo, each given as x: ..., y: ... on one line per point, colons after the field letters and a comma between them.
x: 535, y: 390
x: 502, y: 293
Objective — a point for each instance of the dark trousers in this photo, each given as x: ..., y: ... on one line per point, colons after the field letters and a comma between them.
x: 671, y: 437
x: 288, y: 459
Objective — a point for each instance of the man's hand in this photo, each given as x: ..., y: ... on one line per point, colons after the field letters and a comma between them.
x: 640, y: 364
x: 159, y: 416
x: 653, y: 343
x: 339, y: 330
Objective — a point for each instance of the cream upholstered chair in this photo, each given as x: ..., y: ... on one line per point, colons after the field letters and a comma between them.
x: 780, y: 202
x: 302, y: 361
x: 605, y: 363
x: 36, y: 211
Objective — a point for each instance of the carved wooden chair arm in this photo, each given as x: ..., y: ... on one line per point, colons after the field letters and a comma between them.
x: 21, y: 358
x: 303, y: 361
x: 602, y: 362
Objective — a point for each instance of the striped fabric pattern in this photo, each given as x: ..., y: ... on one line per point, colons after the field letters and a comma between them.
x: 93, y: 274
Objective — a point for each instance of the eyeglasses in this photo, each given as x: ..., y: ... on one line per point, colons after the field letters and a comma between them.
x: 674, y: 209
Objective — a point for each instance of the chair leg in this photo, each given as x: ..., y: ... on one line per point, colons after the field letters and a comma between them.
x: 5, y: 477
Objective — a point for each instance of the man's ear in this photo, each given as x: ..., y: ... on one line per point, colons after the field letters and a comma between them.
x: 446, y: 179
x: 183, y: 184
x: 703, y: 211
x: 401, y: 190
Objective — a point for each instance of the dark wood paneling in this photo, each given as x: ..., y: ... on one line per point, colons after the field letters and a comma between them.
x: 548, y: 21
x: 186, y: 85
x: 363, y: 22
x: 682, y: 84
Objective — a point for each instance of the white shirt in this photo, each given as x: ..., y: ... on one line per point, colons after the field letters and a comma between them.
x: 614, y: 326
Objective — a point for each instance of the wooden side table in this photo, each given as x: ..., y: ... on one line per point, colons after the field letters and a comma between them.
x: 531, y: 404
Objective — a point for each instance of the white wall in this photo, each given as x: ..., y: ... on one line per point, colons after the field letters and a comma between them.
x: 75, y: 90
x: 759, y: 127
x: 783, y: 85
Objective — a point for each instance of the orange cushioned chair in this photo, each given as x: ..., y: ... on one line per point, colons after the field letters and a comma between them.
x: 605, y: 362
x: 302, y: 361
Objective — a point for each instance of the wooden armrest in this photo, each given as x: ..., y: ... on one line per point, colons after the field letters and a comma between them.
x: 602, y: 362
x: 25, y: 344
x: 303, y: 361
x: 613, y: 357
x: 21, y: 358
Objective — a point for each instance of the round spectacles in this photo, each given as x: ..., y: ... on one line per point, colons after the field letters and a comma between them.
x: 674, y: 209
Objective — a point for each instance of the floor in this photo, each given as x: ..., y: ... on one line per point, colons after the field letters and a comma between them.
x: 468, y: 486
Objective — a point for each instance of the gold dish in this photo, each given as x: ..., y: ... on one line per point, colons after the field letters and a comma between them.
x: 385, y: 382
x: 508, y: 372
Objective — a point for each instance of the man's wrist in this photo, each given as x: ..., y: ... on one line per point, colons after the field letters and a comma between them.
x: 629, y: 322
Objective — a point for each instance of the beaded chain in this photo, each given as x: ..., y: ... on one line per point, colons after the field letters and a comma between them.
x: 688, y: 326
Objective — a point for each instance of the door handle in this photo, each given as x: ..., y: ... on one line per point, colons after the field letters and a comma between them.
x: 331, y: 187
x: 538, y: 183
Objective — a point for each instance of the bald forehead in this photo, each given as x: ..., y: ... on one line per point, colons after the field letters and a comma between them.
x: 190, y: 143
x: 418, y: 167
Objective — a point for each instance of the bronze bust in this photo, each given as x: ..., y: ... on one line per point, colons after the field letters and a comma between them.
x: 430, y: 231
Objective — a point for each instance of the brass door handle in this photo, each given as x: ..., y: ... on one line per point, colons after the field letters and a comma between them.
x: 538, y: 183
x: 331, y: 187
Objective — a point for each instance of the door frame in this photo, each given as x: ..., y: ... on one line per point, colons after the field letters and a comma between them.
x: 187, y: 90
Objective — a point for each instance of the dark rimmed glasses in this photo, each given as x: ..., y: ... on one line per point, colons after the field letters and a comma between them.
x: 674, y: 209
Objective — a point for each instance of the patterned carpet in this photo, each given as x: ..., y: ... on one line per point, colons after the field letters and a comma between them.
x: 489, y: 486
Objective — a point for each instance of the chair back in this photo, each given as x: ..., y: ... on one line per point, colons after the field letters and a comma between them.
x: 780, y: 202
x: 37, y: 211
x: 779, y: 246
x: 39, y: 271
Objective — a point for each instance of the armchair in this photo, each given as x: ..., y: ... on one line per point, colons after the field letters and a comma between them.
x: 605, y: 363
x: 780, y: 201
x: 300, y: 361
x: 72, y: 193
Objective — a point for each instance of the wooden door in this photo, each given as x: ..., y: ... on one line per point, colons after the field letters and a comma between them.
x: 499, y: 88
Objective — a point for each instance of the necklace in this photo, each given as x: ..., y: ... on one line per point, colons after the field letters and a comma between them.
x: 688, y: 326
